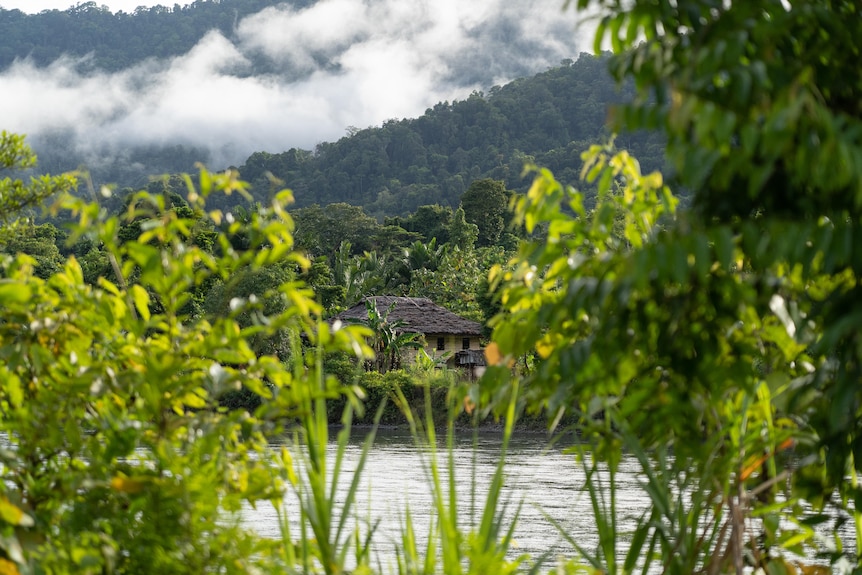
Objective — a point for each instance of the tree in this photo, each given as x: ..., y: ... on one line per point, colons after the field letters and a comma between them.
x: 319, y: 277
x: 432, y: 221
x: 388, y: 340
x: 451, y: 284
x: 771, y: 124
x: 15, y: 194
x: 116, y: 41
x: 39, y: 242
x: 144, y: 471
x: 360, y: 276
x: 724, y: 334
x: 768, y: 136
x: 421, y: 255
x: 252, y: 297
x: 321, y: 230
x: 461, y: 232
x: 485, y: 204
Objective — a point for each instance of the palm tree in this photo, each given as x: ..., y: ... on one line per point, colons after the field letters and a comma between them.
x: 362, y: 275
x: 428, y: 256
x: 388, y: 340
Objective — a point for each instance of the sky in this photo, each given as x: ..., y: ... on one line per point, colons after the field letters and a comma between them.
x: 343, y: 63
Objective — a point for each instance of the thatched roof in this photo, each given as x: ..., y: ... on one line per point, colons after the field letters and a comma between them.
x: 419, y: 315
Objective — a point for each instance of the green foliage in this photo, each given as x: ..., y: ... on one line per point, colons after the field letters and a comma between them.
x: 402, y: 166
x: 724, y: 337
x: 143, y: 471
x: 320, y: 278
x: 715, y: 335
x: 254, y: 298
x: 427, y: 256
x: 458, y: 282
x: 431, y: 221
x: 656, y: 334
x: 360, y: 276
x: 39, y: 242
x: 116, y: 40
x: 674, y: 531
x: 380, y: 391
x: 325, y: 537
x: 322, y: 230
x: 463, y: 234
x: 485, y: 204
x: 759, y: 100
x: 15, y: 194
x: 486, y: 543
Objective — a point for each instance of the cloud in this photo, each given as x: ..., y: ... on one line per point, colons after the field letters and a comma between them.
x: 334, y: 64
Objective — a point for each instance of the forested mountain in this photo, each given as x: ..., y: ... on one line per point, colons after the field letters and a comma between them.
x: 548, y: 119
x: 389, y: 169
x: 226, y: 78
x: 392, y: 169
x: 127, y: 167
x: 118, y: 40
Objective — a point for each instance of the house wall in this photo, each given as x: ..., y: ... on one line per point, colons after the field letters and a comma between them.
x: 451, y: 343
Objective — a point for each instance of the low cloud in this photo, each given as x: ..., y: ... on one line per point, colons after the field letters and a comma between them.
x: 335, y: 64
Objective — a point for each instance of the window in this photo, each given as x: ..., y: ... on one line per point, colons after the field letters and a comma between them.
x: 441, y: 343
x: 465, y: 343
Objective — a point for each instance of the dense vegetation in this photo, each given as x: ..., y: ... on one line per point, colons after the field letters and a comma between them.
x: 391, y: 170
x: 117, y: 40
x: 436, y: 252
x: 719, y: 345
x: 548, y: 119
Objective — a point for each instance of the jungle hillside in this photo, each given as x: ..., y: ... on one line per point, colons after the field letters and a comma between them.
x: 684, y: 327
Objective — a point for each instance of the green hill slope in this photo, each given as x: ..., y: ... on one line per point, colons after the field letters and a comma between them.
x: 392, y: 169
x: 118, y: 40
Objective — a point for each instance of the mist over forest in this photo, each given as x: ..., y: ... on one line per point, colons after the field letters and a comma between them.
x: 160, y: 88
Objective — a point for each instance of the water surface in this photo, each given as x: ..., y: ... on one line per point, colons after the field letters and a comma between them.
x: 545, y: 481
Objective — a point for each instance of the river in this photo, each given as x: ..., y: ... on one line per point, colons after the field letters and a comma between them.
x: 548, y: 480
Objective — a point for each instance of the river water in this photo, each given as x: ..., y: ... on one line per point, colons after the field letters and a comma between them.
x: 548, y: 481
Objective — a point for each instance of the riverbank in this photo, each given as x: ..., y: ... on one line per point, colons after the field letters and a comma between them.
x: 417, y: 390
x: 384, y: 393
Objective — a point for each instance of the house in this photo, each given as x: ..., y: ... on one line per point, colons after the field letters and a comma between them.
x: 446, y: 334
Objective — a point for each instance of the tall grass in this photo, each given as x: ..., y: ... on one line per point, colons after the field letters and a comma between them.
x: 678, y: 531
x: 467, y: 534
x: 472, y: 537
x: 329, y: 538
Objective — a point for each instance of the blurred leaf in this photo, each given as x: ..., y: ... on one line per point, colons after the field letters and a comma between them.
x: 142, y: 301
x: 12, y: 515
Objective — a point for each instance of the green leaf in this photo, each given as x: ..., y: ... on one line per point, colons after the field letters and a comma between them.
x: 724, y: 247
x: 11, y: 514
x: 14, y: 293
x: 635, y: 551
x: 604, y: 184
x: 12, y: 386
x: 142, y: 301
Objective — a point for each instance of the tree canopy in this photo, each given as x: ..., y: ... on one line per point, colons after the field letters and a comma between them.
x: 726, y: 335
x: 393, y: 169
x: 486, y: 204
x: 117, y: 40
